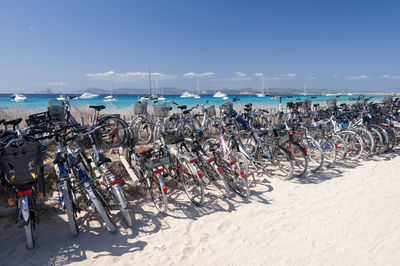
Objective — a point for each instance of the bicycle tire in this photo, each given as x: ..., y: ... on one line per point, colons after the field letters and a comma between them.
x: 70, y: 212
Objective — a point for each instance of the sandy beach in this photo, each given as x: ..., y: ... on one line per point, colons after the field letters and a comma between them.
x: 348, y: 215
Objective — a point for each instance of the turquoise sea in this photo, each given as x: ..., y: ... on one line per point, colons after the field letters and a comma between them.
x: 39, y: 102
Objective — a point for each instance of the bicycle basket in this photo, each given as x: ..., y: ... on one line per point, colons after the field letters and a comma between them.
x: 211, y: 111
x: 56, y: 111
x: 160, y: 158
x: 38, y: 119
x: 276, y: 140
x: 21, y: 162
x: 226, y: 108
x: 139, y: 108
x: 297, y: 135
x: 161, y: 110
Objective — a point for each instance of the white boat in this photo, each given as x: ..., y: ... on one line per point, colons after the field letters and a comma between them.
x: 161, y: 97
x: 61, y: 98
x: 187, y: 95
x: 19, y: 97
x: 110, y: 98
x: 275, y: 97
x: 197, y: 96
x: 88, y: 95
x: 262, y: 88
x: 219, y: 94
x: 225, y: 98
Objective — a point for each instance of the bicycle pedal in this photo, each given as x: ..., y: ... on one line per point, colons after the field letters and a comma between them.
x: 11, y: 202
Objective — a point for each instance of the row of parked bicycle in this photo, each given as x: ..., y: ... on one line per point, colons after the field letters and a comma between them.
x: 193, y: 150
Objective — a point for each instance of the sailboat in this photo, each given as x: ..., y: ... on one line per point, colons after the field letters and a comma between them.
x: 197, y: 96
x: 110, y: 97
x: 262, y: 88
x: 304, y: 92
x: 161, y: 97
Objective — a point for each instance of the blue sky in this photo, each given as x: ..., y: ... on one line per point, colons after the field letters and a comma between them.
x: 72, y: 45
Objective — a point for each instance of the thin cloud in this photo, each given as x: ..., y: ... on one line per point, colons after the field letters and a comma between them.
x: 259, y: 74
x: 129, y: 76
x: 241, y: 74
x: 360, y: 77
x: 31, y: 28
x: 311, y: 78
x: 388, y: 77
x: 288, y: 76
x: 198, y: 75
x: 100, y: 75
x: 335, y: 76
x: 56, y: 83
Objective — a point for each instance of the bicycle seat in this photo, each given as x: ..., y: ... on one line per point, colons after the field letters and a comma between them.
x: 2, y: 121
x: 144, y: 150
x: 186, y: 112
x: 248, y: 105
x: 13, y: 122
x: 247, y: 109
x: 103, y: 159
x: 182, y: 107
x: 97, y: 107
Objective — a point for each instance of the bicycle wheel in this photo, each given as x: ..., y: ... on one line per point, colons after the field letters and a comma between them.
x: 341, y: 146
x: 143, y: 132
x: 28, y: 228
x: 26, y: 212
x: 214, y: 176
x: 236, y: 174
x: 378, y: 141
x: 315, y: 155
x: 354, y: 144
x: 191, y: 182
x: 280, y: 163
x: 368, y: 141
x: 299, y: 157
x: 385, y: 138
x: 158, y: 193
x: 114, y: 132
x: 211, y: 129
x: 120, y: 199
x: 98, y: 202
x: 328, y: 149
x: 70, y: 211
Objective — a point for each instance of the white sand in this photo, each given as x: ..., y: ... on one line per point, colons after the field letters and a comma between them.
x: 349, y: 216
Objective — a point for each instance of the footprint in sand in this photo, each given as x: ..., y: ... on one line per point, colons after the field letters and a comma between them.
x: 224, y: 226
x: 188, y: 250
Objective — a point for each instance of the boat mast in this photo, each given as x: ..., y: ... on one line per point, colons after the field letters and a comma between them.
x: 150, y: 83
x: 262, y: 85
x: 198, y: 87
